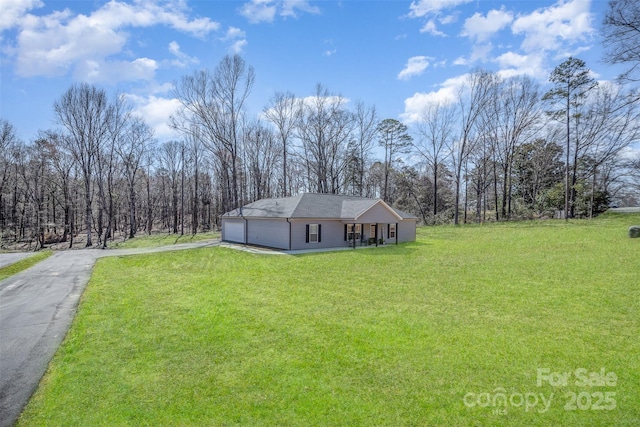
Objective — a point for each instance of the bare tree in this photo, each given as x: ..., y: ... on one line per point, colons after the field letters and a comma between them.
x: 283, y: 112
x: 621, y: 28
x: 473, y: 98
x: 85, y: 113
x: 170, y: 156
x: 365, y: 121
x: 215, y: 103
x: 195, y: 149
x: 62, y: 163
x: 610, y: 124
x: 34, y: 176
x: 633, y: 177
x: 131, y: 150
x: 510, y: 119
x: 149, y: 159
x: 435, y: 131
x: 324, y: 129
x: 8, y: 139
x: 261, y: 157
x: 108, y: 167
x: 395, y: 139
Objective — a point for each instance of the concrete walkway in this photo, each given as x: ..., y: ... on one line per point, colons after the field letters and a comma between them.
x: 37, y: 306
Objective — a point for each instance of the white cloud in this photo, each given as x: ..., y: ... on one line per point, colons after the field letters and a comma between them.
x: 562, y: 54
x: 14, y: 10
x: 238, y: 46
x: 55, y: 44
x: 312, y: 101
x: 330, y: 52
x: 146, y: 13
x: 448, y: 19
x: 481, y: 28
x: 422, y: 8
x: 256, y: 11
x: 514, y: 64
x: 548, y: 28
x: 431, y: 28
x: 97, y: 71
x: 481, y: 52
x: 259, y: 11
x: 156, y: 112
x: 446, y: 94
x: 234, y: 33
x: 558, y: 30
x: 289, y: 8
x: 461, y: 61
x: 431, y: 9
x: 414, y: 67
x: 237, y: 38
x: 182, y: 60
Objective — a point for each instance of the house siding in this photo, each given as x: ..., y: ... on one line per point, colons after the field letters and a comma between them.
x: 273, y: 233
x: 283, y: 223
x: 332, y: 234
x: 406, y: 231
x: 377, y: 214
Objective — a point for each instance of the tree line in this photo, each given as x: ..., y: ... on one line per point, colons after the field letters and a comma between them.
x: 502, y: 150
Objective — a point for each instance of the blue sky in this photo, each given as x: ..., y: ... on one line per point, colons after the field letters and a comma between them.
x: 396, y: 55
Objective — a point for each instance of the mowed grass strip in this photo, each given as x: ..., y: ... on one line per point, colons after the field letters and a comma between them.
x: 389, y: 336
x: 23, y: 264
x: 163, y: 239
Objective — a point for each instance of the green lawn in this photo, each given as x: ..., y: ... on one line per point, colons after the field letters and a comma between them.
x: 390, y: 336
x: 163, y: 239
x: 17, y: 267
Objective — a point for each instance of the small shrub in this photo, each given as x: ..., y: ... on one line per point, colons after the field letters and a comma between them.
x: 634, y: 231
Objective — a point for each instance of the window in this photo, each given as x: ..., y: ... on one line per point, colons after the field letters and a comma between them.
x: 313, y: 233
x: 392, y: 231
x: 350, y: 231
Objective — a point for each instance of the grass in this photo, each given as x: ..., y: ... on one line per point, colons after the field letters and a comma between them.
x: 163, y: 239
x: 21, y: 265
x: 391, y: 336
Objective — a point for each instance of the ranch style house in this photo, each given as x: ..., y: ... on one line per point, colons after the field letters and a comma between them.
x: 311, y: 221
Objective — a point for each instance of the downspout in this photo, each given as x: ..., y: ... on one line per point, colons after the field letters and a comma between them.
x: 289, y: 233
x: 396, y: 233
x: 246, y: 228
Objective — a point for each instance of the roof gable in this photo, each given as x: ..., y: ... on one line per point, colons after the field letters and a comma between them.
x: 380, y: 212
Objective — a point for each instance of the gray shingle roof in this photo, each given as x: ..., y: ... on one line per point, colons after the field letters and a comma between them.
x: 310, y: 205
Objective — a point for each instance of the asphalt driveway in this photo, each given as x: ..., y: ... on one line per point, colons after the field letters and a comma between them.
x: 13, y: 257
x: 36, y: 309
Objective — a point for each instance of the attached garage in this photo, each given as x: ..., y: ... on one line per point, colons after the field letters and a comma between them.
x: 233, y: 231
x: 312, y: 221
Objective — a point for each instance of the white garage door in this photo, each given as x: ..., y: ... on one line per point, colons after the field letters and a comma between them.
x: 234, y: 231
